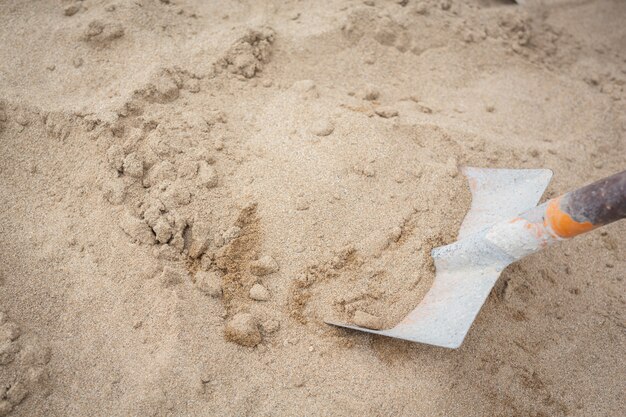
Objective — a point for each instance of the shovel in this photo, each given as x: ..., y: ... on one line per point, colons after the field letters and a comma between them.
x: 503, y: 226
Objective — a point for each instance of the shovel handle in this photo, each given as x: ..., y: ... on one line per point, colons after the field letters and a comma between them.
x: 588, y: 207
x: 561, y: 218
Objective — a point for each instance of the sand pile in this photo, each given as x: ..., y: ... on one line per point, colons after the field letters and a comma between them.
x: 188, y: 190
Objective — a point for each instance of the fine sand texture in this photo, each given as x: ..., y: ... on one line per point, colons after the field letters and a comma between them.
x: 189, y: 188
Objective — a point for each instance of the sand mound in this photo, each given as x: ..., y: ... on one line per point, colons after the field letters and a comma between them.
x: 190, y: 189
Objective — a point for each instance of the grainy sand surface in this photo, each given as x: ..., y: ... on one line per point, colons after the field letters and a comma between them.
x: 189, y: 188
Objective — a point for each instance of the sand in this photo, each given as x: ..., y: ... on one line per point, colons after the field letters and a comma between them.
x: 188, y: 189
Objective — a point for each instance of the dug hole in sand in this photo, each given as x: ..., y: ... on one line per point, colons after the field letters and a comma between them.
x: 188, y: 189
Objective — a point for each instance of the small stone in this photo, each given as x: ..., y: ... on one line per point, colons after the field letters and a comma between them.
x: 71, y: 10
x: 367, y: 320
x: 243, y: 330
x: 207, y: 176
x: 133, y: 165
x: 209, y: 283
x: 77, y: 62
x: 259, y: 293
x: 171, y: 277
x: 322, y: 127
x: 264, y: 266
x: 490, y: 108
x: 386, y: 112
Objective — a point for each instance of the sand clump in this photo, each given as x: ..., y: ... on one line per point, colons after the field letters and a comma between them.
x: 191, y: 189
x: 259, y: 293
x: 209, y: 283
x: 386, y: 112
x: 369, y: 93
x: 243, y: 329
x: 247, y: 56
x: 369, y: 321
x: 102, y: 33
x: 26, y: 360
x: 322, y: 127
x: 265, y: 265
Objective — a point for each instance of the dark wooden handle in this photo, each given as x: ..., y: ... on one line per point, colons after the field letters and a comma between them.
x: 600, y: 203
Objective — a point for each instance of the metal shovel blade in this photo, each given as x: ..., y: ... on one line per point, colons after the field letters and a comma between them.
x: 467, y: 269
